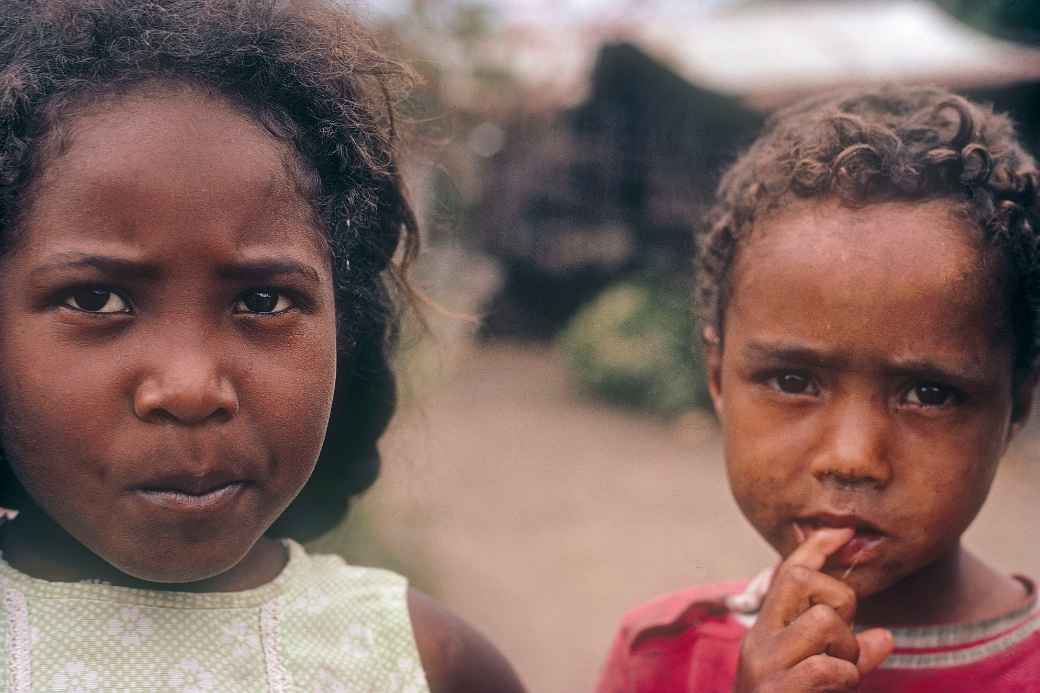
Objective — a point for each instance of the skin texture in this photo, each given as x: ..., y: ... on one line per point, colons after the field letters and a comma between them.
x: 455, y: 657
x: 209, y: 348
x: 187, y: 204
x: 865, y: 372
x: 803, y: 639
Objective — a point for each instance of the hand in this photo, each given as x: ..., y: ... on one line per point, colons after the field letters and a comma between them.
x: 803, y: 639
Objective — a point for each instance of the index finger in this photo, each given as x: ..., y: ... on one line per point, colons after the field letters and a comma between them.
x: 814, y: 551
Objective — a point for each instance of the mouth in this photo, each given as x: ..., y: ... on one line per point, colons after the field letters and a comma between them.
x: 185, y: 493
x: 865, y: 545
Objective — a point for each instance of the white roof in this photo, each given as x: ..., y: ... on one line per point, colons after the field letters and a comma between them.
x: 777, y: 47
x: 767, y: 52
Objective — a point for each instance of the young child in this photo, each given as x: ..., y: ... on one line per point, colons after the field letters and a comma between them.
x: 199, y: 204
x: 869, y: 285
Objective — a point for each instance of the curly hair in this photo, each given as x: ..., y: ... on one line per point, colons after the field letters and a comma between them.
x: 889, y: 143
x: 308, y: 72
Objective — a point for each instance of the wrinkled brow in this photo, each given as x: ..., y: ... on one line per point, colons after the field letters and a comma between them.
x: 122, y: 268
x: 127, y: 269
x: 260, y: 270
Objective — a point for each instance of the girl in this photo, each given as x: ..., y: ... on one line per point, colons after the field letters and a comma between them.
x: 869, y: 290
x: 198, y: 203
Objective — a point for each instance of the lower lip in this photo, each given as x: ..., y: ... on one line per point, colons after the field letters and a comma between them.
x: 213, y: 501
x: 863, y: 547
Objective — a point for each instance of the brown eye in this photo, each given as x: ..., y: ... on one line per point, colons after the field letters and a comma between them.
x: 792, y: 383
x: 95, y: 300
x: 929, y: 395
x: 263, y: 301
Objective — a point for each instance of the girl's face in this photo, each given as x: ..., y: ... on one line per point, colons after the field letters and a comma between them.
x: 169, y: 346
x: 865, y: 379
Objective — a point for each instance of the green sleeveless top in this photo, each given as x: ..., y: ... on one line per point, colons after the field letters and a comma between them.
x: 321, y: 626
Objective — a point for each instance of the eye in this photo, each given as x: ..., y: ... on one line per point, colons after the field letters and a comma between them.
x: 930, y: 395
x: 263, y: 301
x: 792, y: 383
x: 96, y: 300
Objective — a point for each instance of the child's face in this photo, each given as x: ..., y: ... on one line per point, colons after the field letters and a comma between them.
x: 169, y: 346
x: 865, y: 379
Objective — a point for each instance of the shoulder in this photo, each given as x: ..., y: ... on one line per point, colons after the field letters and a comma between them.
x: 456, y: 658
x: 330, y: 574
x: 677, y: 611
x: 657, y: 642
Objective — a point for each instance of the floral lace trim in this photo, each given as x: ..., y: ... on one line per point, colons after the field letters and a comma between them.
x: 270, y: 623
x: 19, y: 642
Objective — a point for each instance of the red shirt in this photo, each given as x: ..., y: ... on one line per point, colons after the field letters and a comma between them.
x: 689, y: 642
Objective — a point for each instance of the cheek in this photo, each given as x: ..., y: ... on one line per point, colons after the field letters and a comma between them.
x: 761, y: 443
x: 943, y: 497
x: 763, y: 504
x: 54, y: 409
x: 293, y: 407
x: 953, y: 459
x: 763, y: 464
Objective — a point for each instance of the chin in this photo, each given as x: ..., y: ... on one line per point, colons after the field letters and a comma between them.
x: 865, y: 580
x: 162, y: 573
x: 181, y: 565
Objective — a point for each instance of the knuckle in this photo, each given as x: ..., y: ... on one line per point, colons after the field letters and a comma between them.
x: 846, y: 676
x: 798, y: 575
x: 817, y: 669
x: 828, y: 673
x: 823, y: 617
x: 845, y: 599
x: 821, y: 671
x: 847, y: 651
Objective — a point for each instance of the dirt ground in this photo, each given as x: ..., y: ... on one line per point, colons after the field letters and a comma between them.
x: 540, y: 516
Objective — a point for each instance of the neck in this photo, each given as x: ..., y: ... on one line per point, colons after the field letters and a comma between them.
x: 37, y: 546
x: 956, y: 588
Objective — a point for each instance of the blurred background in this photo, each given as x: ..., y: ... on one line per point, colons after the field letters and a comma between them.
x: 552, y: 462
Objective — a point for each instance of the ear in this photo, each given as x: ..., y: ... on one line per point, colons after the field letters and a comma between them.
x: 712, y: 345
x: 1022, y: 393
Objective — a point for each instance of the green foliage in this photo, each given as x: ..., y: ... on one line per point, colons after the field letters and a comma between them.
x: 635, y: 345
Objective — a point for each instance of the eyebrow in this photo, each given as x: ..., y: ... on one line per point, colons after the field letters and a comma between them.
x: 964, y: 373
x: 121, y: 268
x: 928, y: 370
x: 129, y: 270
x: 789, y: 352
x: 260, y: 270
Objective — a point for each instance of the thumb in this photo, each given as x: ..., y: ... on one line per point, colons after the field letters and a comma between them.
x: 875, y: 645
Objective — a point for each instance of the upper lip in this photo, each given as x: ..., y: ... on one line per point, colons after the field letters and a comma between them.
x: 191, y: 483
x: 838, y: 520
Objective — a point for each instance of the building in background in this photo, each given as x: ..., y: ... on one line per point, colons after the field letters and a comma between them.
x: 611, y: 181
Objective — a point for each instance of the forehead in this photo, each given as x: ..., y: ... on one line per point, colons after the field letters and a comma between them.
x: 157, y: 153
x: 885, y: 277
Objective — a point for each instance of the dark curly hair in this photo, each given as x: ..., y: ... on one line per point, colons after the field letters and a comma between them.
x: 889, y: 143
x: 309, y: 73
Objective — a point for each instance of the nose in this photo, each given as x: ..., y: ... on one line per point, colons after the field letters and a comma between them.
x: 855, y: 447
x: 186, y: 387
